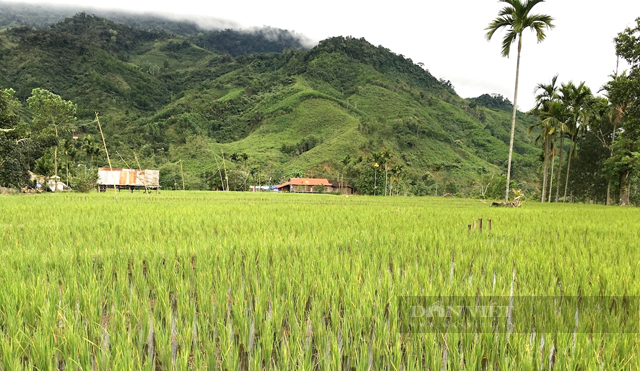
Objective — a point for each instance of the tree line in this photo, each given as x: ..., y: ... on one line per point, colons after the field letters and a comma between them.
x: 590, y: 145
x: 45, y: 144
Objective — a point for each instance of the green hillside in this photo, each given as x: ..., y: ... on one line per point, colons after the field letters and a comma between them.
x: 329, y: 111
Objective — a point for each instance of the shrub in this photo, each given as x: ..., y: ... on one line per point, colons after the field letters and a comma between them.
x: 85, y: 182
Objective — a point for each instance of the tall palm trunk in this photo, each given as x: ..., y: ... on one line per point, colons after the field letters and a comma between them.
x: 559, y: 176
x: 553, y: 161
x: 513, y: 119
x: 68, y: 182
x: 545, y: 170
x: 611, y: 153
x: 55, y: 163
x: 566, y: 182
x: 625, y: 188
x: 386, y: 177
x: 375, y: 181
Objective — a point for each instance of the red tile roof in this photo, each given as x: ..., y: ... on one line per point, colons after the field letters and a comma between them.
x: 305, y: 181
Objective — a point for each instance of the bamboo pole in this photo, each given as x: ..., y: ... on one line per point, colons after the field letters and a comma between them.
x: 123, y: 160
x: 104, y: 142
x: 144, y: 183
x: 224, y: 164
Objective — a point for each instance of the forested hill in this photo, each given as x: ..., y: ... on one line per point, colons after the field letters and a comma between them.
x: 335, y: 110
x: 495, y: 101
x: 215, y: 36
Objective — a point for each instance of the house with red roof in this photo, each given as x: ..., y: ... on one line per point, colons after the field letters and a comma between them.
x: 305, y: 185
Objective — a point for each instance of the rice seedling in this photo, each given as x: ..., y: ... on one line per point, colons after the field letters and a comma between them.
x: 188, y: 280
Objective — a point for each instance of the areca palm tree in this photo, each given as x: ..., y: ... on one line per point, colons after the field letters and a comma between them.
x: 567, y: 92
x: 515, y: 17
x: 551, y: 125
x: 546, y: 110
x: 578, y: 99
x: 545, y: 135
x: 546, y: 93
x: 553, y: 120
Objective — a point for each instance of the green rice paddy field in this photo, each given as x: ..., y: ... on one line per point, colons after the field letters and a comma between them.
x: 195, y: 280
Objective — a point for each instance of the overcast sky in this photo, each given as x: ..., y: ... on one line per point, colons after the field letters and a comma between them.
x: 447, y: 36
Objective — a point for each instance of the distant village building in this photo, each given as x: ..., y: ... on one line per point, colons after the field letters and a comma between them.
x: 55, y: 185
x: 43, y: 183
x: 342, y: 187
x: 314, y: 185
x: 128, y: 179
x: 305, y: 185
x: 264, y: 188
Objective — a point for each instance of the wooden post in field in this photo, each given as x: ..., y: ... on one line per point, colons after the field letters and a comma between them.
x: 474, y: 224
x: 480, y: 224
x: 104, y: 142
x: 182, y: 174
x: 489, y: 225
x: 469, y: 229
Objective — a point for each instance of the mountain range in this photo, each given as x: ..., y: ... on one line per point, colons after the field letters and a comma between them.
x: 263, y: 105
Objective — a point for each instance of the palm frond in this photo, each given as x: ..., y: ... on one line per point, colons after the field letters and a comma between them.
x: 517, y: 5
x: 538, y: 139
x: 551, y: 130
x: 508, y: 39
x: 496, y: 24
x: 507, y: 11
x: 515, y: 19
x: 539, y: 23
x: 564, y: 128
x: 546, y: 93
x: 512, y: 3
x: 531, y: 3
